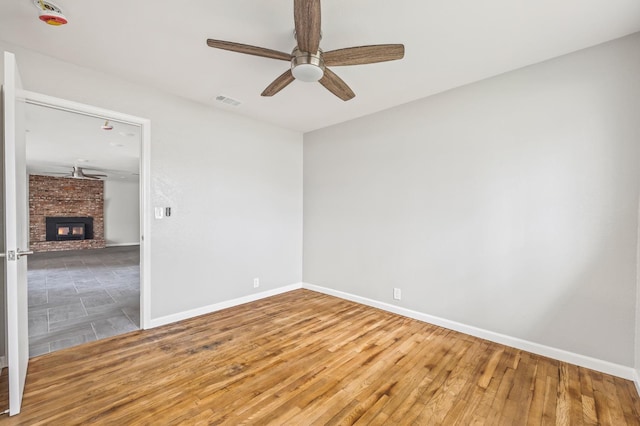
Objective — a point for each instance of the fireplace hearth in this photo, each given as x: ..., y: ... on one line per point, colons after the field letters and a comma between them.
x: 69, y: 228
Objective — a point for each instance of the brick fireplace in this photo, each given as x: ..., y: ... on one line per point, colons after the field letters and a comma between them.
x: 74, y: 210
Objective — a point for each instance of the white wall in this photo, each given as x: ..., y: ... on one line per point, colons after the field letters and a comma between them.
x: 3, y: 290
x: 234, y: 185
x: 121, y: 212
x: 510, y: 204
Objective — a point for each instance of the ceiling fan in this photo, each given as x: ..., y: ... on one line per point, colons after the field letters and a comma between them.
x: 79, y: 173
x: 308, y: 62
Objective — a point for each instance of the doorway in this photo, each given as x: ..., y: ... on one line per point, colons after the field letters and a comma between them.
x: 15, y: 217
x: 83, y: 278
x: 87, y: 289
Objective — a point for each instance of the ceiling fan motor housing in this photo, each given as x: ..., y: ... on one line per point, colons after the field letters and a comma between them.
x: 308, y: 67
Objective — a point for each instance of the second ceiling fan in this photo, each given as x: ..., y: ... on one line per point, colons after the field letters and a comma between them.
x: 308, y: 62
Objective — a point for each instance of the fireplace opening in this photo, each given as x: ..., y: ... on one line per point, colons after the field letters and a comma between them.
x: 70, y: 231
x: 69, y: 228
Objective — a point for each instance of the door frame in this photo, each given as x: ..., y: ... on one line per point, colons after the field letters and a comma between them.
x: 145, y: 181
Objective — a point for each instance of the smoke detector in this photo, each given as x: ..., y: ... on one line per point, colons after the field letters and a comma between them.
x: 50, y: 13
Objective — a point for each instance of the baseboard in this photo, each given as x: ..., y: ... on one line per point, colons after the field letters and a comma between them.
x: 157, y: 322
x: 122, y: 244
x: 3, y: 362
x: 536, y: 348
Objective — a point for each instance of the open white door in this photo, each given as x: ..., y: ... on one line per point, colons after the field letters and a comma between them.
x: 15, y: 232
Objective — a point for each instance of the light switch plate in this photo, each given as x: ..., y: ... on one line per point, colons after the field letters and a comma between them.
x: 397, y: 294
x: 159, y: 212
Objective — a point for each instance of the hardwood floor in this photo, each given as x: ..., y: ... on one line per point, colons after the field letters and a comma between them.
x: 304, y: 358
x: 4, y: 390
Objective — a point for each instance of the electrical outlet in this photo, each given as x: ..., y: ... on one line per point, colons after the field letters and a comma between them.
x: 397, y: 294
x: 256, y: 282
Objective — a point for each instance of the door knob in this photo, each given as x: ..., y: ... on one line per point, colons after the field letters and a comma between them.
x: 24, y: 253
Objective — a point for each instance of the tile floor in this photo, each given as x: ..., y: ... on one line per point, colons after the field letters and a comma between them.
x: 82, y: 295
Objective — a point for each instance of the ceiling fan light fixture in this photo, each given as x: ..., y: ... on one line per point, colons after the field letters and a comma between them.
x: 308, y: 73
x: 307, y: 67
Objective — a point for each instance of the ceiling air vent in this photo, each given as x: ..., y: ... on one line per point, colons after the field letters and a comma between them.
x: 228, y: 101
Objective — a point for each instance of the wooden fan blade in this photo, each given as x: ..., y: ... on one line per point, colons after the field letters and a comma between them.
x: 249, y: 50
x: 306, y: 14
x: 335, y: 85
x: 363, y: 55
x: 279, y: 83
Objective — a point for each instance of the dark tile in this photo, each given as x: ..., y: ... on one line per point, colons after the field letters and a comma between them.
x: 133, y: 313
x: 68, y: 289
x: 40, y: 349
x: 62, y: 289
x: 93, y: 300
x: 105, y: 311
x: 80, y: 273
x: 59, y: 300
x: 38, y: 323
x: 109, y: 281
x: 37, y: 278
x: 87, y: 286
x: 55, y: 279
x: 36, y: 285
x: 112, y: 326
x: 124, y: 293
x: 89, y: 292
x: 62, y: 294
x: 72, y: 340
x: 66, y: 312
x: 37, y: 296
x: 79, y: 323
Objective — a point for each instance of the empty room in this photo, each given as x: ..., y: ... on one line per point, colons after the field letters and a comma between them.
x: 350, y: 213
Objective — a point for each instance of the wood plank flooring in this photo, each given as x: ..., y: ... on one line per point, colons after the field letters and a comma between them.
x: 304, y: 358
x: 4, y: 390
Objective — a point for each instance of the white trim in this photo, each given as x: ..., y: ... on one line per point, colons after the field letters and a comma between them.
x: 145, y: 181
x: 122, y: 244
x: 41, y: 99
x: 3, y: 362
x: 636, y: 331
x: 536, y: 348
x: 168, y: 319
x: 145, y: 225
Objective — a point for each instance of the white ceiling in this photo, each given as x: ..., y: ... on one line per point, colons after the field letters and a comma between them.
x: 448, y: 44
x: 57, y: 140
